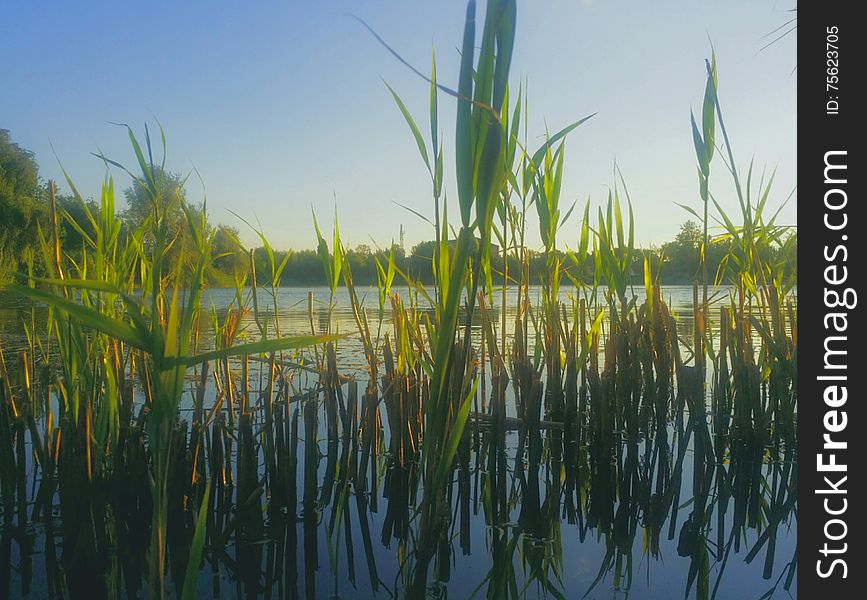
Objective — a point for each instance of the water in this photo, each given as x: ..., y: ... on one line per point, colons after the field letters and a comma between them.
x: 560, y: 525
x: 295, y: 315
x: 294, y: 312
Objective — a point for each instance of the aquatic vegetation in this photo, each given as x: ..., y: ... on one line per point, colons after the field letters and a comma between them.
x: 174, y: 436
x: 120, y: 310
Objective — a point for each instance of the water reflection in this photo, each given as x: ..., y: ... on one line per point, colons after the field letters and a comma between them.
x: 315, y: 481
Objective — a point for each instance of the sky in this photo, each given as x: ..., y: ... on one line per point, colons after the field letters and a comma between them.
x: 282, y: 107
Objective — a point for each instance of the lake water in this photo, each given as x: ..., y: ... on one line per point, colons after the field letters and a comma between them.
x: 622, y: 527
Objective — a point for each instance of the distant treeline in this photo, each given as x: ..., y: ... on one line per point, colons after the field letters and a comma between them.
x: 676, y: 262
x: 25, y: 211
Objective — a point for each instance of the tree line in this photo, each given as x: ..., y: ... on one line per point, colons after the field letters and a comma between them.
x: 25, y: 210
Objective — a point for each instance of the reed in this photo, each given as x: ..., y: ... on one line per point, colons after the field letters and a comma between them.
x: 612, y: 395
x: 122, y: 303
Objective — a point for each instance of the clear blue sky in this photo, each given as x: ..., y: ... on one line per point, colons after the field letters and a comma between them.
x: 281, y: 105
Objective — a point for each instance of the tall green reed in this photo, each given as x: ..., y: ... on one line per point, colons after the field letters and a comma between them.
x: 138, y: 304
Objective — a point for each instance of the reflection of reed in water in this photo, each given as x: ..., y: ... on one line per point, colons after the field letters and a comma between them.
x: 611, y: 433
x: 610, y: 463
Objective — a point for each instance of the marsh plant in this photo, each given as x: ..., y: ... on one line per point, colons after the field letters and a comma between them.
x: 169, y: 432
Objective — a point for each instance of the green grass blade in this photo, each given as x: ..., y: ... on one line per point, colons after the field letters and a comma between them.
x: 463, y: 130
x: 260, y: 347
x: 540, y: 153
x: 85, y: 315
x: 419, y: 140
x: 192, y: 573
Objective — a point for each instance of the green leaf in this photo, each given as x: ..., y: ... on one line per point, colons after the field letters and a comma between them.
x: 434, y: 126
x: 505, y: 38
x: 192, y: 573
x: 85, y: 315
x: 648, y: 286
x: 448, y: 322
x: 146, y: 168
x: 260, y: 347
x: 279, y: 271
x: 690, y: 210
x: 454, y: 438
x: 618, y: 220
x: 540, y: 153
x: 463, y: 129
x: 700, y: 152
x: 419, y: 140
x: 708, y: 118
x: 585, y: 232
x: 322, y: 251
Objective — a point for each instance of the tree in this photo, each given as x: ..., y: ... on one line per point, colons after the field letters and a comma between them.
x: 70, y: 237
x: 22, y: 205
x: 421, y: 260
x: 229, y: 256
x: 142, y: 203
x: 690, y: 235
x: 167, y: 204
x: 683, y: 254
